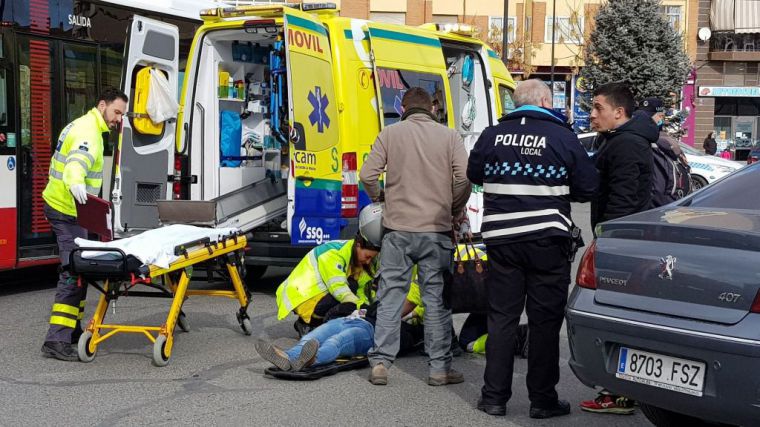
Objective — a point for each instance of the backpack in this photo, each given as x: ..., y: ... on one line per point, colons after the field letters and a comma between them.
x: 671, y: 179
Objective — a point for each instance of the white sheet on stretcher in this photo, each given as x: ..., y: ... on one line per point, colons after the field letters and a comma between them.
x: 156, y: 247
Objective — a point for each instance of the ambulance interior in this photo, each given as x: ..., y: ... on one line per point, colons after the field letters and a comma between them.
x: 469, y: 93
x: 243, y: 112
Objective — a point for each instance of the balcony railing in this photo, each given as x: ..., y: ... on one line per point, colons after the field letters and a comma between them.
x: 729, y: 46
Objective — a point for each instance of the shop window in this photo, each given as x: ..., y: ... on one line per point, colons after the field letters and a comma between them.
x: 748, y: 107
x: 725, y: 106
x: 722, y: 127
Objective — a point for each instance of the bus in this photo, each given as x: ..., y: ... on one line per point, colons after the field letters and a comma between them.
x: 55, y: 58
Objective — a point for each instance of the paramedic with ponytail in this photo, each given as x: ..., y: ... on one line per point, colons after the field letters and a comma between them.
x: 76, y: 170
x: 332, y: 276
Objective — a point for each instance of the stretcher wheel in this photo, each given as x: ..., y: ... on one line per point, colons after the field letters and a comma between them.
x: 83, y: 347
x: 183, y: 323
x: 159, y: 356
x: 246, y: 326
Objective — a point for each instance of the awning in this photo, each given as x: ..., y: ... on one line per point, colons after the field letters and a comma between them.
x: 740, y: 16
x: 747, y: 16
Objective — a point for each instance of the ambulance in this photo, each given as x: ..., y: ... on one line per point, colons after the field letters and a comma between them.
x: 279, y: 110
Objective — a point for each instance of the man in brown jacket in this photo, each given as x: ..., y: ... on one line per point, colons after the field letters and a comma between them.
x: 425, y: 166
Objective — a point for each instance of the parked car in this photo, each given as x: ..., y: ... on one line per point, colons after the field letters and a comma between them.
x: 706, y: 169
x: 754, y: 154
x: 666, y: 309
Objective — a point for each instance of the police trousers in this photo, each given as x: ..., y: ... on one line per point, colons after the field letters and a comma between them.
x: 534, y: 275
x: 68, y: 307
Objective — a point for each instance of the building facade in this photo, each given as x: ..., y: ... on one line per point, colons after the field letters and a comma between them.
x: 728, y: 74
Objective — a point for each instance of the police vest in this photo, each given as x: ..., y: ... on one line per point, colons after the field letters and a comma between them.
x: 324, y: 270
x: 78, y: 159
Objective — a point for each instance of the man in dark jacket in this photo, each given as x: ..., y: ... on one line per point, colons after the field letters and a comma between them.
x: 531, y: 166
x: 624, y: 157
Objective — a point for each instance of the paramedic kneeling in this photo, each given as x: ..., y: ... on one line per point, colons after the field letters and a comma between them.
x: 76, y: 170
x: 531, y: 166
x: 324, y: 278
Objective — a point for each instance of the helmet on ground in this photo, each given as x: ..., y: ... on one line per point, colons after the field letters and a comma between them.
x: 371, y: 224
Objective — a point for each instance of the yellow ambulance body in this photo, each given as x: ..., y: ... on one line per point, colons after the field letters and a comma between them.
x: 336, y: 82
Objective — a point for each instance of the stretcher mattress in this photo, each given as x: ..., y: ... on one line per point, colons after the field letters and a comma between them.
x: 156, y: 247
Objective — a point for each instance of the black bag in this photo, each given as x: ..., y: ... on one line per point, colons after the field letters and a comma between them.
x: 671, y: 178
x: 464, y: 289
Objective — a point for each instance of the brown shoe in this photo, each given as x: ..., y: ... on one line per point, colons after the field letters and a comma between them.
x: 379, y: 375
x: 307, y: 357
x: 451, y: 377
x: 272, y: 354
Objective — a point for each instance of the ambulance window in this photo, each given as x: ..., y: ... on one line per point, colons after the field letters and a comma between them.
x: 394, y: 83
x: 507, y: 103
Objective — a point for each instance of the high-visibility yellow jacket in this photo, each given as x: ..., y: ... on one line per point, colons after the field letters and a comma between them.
x: 78, y: 159
x: 323, y: 270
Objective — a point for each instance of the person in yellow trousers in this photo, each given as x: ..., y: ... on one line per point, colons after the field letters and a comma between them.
x: 333, y: 276
x: 76, y: 170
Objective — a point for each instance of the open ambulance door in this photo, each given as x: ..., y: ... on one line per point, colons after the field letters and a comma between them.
x: 315, y: 178
x: 144, y: 157
x: 503, y: 85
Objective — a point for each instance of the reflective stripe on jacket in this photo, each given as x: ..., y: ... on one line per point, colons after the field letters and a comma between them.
x: 78, y: 159
x: 323, y: 270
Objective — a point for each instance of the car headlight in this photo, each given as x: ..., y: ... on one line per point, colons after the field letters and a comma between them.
x: 724, y: 169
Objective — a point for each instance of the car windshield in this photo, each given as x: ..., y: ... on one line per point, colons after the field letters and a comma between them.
x: 690, y: 150
x: 730, y: 192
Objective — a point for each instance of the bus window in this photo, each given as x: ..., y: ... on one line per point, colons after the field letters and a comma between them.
x: 5, y: 143
x: 394, y: 83
x: 507, y: 103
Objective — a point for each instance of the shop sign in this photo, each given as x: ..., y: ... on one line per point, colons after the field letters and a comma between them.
x: 740, y: 91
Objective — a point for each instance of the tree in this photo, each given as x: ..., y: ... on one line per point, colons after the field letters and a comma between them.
x: 634, y: 43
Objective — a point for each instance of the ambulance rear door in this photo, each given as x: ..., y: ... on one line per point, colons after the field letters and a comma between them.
x: 315, y: 178
x: 404, y: 57
x: 144, y: 157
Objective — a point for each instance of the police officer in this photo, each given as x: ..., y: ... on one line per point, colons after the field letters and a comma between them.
x: 76, y: 170
x: 531, y: 166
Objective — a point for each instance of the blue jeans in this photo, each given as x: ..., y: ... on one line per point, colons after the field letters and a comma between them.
x: 340, y: 337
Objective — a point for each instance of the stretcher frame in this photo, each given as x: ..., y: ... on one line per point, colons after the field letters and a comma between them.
x: 175, y: 280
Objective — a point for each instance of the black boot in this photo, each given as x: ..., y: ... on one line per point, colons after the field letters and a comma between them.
x: 59, y: 350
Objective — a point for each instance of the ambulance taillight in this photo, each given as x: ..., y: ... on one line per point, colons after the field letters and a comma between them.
x: 349, y: 199
x: 177, y: 182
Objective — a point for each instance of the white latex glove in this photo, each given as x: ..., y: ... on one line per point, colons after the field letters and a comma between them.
x: 79, y: 192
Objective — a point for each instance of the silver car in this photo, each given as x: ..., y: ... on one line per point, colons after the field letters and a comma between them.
x: 666, y: 307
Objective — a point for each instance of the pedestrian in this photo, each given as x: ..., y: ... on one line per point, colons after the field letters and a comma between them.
x: 76, y: 170
x: 670, y: 168
x: 425, y: 185
x: 709, y: 144
x: 531, y: 166
x: 624, y: 157
x: 625, y: 163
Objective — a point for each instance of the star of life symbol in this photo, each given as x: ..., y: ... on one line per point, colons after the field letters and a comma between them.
x: 667, y: 265
x: 318, y: 114
x: 302, y: 226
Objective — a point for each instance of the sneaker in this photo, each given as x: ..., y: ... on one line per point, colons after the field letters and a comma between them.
x: 59, y: 350
x: 609, y: 404
x: 379, y: 375
x: 301, y: 327
x: 307, y: 357
x: 562, y: 407
x: 451, y: 377
x: 272, y: 354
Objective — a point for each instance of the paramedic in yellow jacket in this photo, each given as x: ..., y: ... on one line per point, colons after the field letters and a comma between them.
x: 325, y: 277
x: 76, y: 170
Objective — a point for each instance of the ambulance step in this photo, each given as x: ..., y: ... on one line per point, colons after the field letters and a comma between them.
x: 245, y: 208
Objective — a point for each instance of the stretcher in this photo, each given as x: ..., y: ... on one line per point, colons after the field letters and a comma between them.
x: 116, y: 274
x: 316, y: 372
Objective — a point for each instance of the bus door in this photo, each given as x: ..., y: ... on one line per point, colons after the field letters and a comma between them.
x: 314, y: 187
x: 8, y: 152
x: 143, y: 161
